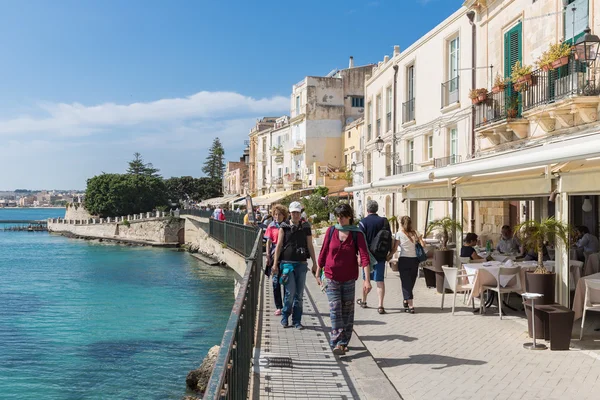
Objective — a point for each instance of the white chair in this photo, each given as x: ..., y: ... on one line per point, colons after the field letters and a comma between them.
x: 575, y: 273
x: 516, y: 287
x: 590, y: 284
x: 454, y: 280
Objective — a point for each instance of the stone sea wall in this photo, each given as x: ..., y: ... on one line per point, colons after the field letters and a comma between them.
x: 77, y: 212
x: 148, y: 228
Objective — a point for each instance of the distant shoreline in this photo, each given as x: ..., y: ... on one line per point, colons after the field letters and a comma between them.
x: 25, y: 208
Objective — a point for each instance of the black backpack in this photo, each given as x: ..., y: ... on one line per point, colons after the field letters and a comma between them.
x: 354, y: 237
x: 382, y: 242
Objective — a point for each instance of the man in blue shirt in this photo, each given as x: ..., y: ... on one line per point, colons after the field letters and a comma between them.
x: 371, y: 225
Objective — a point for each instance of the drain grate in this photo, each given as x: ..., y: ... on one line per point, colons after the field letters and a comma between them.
x: 279, y: 362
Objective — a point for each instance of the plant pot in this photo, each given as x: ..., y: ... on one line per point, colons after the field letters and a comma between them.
x: 541, y: 283
x: 482, y: 97
x: 429, y: 275
x: 524, y: 79
x: 546, y: 67
x: 441, y: 257
x: 560, y: 62
x: 510, y: 113
x: 497, y: 89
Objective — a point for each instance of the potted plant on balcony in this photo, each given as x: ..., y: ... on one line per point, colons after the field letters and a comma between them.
x: 544, y: 61
x: 533, y: 235
x: 443, y: 256
x: 500, y: 83
x: 474, y: 96
x: 559, y: 54
x: 521, y: 76
x: 512, y: 107
x: 482, y: 94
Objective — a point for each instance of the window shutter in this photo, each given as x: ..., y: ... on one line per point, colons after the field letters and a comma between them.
x: 512, y: 48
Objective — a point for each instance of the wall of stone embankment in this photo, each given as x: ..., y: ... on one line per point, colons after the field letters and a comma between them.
x: 156, y: 230
x: 77, y: 212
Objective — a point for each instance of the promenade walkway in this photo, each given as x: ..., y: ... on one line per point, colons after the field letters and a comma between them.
x: 428, y: 355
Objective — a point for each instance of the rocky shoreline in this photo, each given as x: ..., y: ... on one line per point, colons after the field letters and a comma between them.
x: 125, y: 242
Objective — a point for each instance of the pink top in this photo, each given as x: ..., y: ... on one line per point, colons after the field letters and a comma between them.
x: 339, y: 258
x: 272, y: 233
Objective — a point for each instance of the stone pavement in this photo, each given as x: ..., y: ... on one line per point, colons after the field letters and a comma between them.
x: 427, y: 355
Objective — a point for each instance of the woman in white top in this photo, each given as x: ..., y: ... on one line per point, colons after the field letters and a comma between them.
x: 408, y: 263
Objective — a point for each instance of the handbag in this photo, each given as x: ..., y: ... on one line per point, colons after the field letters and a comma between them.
x: 421, y: 255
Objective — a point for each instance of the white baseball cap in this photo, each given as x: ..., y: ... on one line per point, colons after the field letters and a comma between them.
x: 295, y: 206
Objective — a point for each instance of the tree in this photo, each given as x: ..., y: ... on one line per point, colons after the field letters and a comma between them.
x: 214, y: 166
x: 533, y: 234
x: 447, y: 226
x: 138, y: 167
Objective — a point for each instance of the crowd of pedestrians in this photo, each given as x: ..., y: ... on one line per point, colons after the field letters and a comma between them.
x: 347, y: 247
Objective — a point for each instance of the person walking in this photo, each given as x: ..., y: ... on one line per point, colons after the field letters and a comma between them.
x: 294, y: 246
x: 341, y: 245
x: 272, y: 235
x: 408, y: 263
x: 380, y: 242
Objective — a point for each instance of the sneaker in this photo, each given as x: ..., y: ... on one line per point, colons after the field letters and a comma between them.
x: 299, y: 326
x: 284, y: 323
x: 339, y: 350
x: 278, y: 312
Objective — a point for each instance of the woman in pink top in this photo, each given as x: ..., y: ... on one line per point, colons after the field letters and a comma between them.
x: 338, y: 256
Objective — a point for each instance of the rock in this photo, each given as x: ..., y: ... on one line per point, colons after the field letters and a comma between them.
x: 197, y: 380
x: 191, y: 398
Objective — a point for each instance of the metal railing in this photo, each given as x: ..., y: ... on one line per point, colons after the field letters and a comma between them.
x: 402, y: 169
x: 495, y: 107
x: 450, y: 93
x: 555, y: 84
x: 231, y: 374
x: 444, y: 161
x: 237, y: 237
x: 230, y: 216
x: 408, y: 111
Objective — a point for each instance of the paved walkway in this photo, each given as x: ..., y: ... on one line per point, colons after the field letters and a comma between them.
x: 428, y: 355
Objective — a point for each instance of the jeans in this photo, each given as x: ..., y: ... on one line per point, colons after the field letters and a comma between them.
x: 341, y: 310
x: 294, y: 291
x: 409, y: 271
x: 277, y: 292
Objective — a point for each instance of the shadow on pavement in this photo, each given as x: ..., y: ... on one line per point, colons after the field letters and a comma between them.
x: 369, y: 322
x: 383, y: 338
x: 433, y: 359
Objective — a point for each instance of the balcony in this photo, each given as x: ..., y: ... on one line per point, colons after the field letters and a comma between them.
x: 261, y: 157
x: 298, y: 147
x: 450, y: 93
x: 498, y: 118
x: 277, y: 151
x: 408, y: 111
x: 278, y: 181
x: 279, y: 159
x: 445, y: 161
x: 402, y: 169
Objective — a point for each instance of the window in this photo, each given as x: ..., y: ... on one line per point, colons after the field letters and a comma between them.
x: 453, y: 61
x: 349, y: 134
x: 411, y: 151
x: 388, y: 160
x: 430, y: 211
x: 410, y: 82
x: 378, y: 114
x: 346, y: 159
x: 388, y: 108
x: 453, y: 144
x: 358, y: 101
x: 429, y: 147
x: 297, y: 105
x: 369, y: 168
x: 577, y: 20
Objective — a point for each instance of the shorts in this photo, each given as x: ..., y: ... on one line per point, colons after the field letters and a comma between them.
x: 377, y: 272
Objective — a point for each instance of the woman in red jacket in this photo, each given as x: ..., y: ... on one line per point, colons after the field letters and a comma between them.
x: 338, y: 256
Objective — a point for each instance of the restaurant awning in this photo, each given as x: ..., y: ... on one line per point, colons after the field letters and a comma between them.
x: 513, y: 184
x: 428, y: 191
x: 581, y: 177
x: 272, y: 198
x: 219, y: 201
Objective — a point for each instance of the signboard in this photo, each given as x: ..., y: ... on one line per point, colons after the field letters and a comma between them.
x: 250, y: 210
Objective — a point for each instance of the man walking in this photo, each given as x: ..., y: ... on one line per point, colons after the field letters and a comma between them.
x: 379, y: 240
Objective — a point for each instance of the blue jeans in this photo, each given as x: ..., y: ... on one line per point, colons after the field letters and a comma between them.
x: 294, y: 291
x: 277, y: 291
x: 341, y: 310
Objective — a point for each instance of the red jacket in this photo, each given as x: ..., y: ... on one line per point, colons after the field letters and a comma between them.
x: 339, y: 259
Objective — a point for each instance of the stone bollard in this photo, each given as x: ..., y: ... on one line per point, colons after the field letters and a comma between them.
x: 148, y: 215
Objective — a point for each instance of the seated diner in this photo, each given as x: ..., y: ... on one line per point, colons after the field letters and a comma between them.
x: 508, y: 243
x: 467, y: 250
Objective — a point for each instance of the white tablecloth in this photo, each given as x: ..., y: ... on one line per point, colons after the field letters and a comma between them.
x: 492, y: 267
x: 580, y: 295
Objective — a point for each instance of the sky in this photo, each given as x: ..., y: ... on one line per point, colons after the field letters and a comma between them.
x: 85, y: 84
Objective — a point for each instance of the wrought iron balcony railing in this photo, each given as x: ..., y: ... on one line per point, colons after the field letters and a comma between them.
x: 450, y: 93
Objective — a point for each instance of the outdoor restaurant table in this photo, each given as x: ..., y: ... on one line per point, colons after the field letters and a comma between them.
x: 580, y: 295
x: 486, y: 274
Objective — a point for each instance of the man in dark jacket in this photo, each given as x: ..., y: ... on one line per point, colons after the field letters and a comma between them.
x: 371, y: 225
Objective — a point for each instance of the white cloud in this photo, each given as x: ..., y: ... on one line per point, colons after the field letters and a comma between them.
x: 79, y: 120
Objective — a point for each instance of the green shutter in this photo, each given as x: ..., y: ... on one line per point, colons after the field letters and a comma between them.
x: 513, y: 48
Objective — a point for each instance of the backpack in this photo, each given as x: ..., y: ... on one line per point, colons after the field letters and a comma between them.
x: 295, y: 246
x: 382, y: 242
x: 354, y: 237
x: 222, y: 216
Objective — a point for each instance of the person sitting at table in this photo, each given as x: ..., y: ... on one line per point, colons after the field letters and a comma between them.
x: 508, y: 243
x: 586, y: 242
x: 532, y: 254
x: 467, y: 250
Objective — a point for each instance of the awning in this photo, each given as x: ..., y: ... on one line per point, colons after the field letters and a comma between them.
x: 523, y: 184
x: 394, y: 181
x: 581, y: 177
x: 271, y: 198
x: 218, y: 201
x: 428, y: 191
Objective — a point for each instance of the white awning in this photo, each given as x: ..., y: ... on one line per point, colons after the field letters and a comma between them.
x: 428, y: 191
x: 271, y: 198
x: 218, y: 201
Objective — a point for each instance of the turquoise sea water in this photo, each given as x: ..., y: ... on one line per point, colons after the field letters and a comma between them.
x: 81, y: 320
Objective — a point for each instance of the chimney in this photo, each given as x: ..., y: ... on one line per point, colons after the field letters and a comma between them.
x: 396, y: 50
x: 386, y: 59
x: 351, y: 63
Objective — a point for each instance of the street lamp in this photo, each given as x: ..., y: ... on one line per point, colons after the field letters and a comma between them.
x: 353, y: 166
x: 379, y: 143
x: 586, y: 48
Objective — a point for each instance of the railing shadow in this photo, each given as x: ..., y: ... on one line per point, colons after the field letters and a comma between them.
x: 428, y: 359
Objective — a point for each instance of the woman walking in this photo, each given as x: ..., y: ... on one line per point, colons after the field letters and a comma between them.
x: 338, y: 256
x: 408, y: 263
x: 280, y: 214
x: 294, y: 246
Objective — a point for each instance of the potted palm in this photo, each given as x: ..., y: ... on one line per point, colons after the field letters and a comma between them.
x: 443, y: 256
x: 533, y: 235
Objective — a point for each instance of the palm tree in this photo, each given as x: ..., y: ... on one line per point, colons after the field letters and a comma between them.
x: 445, y: 225
x: 533, y: 234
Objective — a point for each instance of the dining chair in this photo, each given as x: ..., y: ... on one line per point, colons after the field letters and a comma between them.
x: 454, y: 279
x: 575, y: 273
x: 516, y: 287
x: 590, y: 285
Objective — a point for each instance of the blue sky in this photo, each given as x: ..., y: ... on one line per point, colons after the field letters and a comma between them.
x: 85, y: 84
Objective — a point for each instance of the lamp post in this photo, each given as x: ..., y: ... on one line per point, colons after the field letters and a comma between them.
x: 586, y: 48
